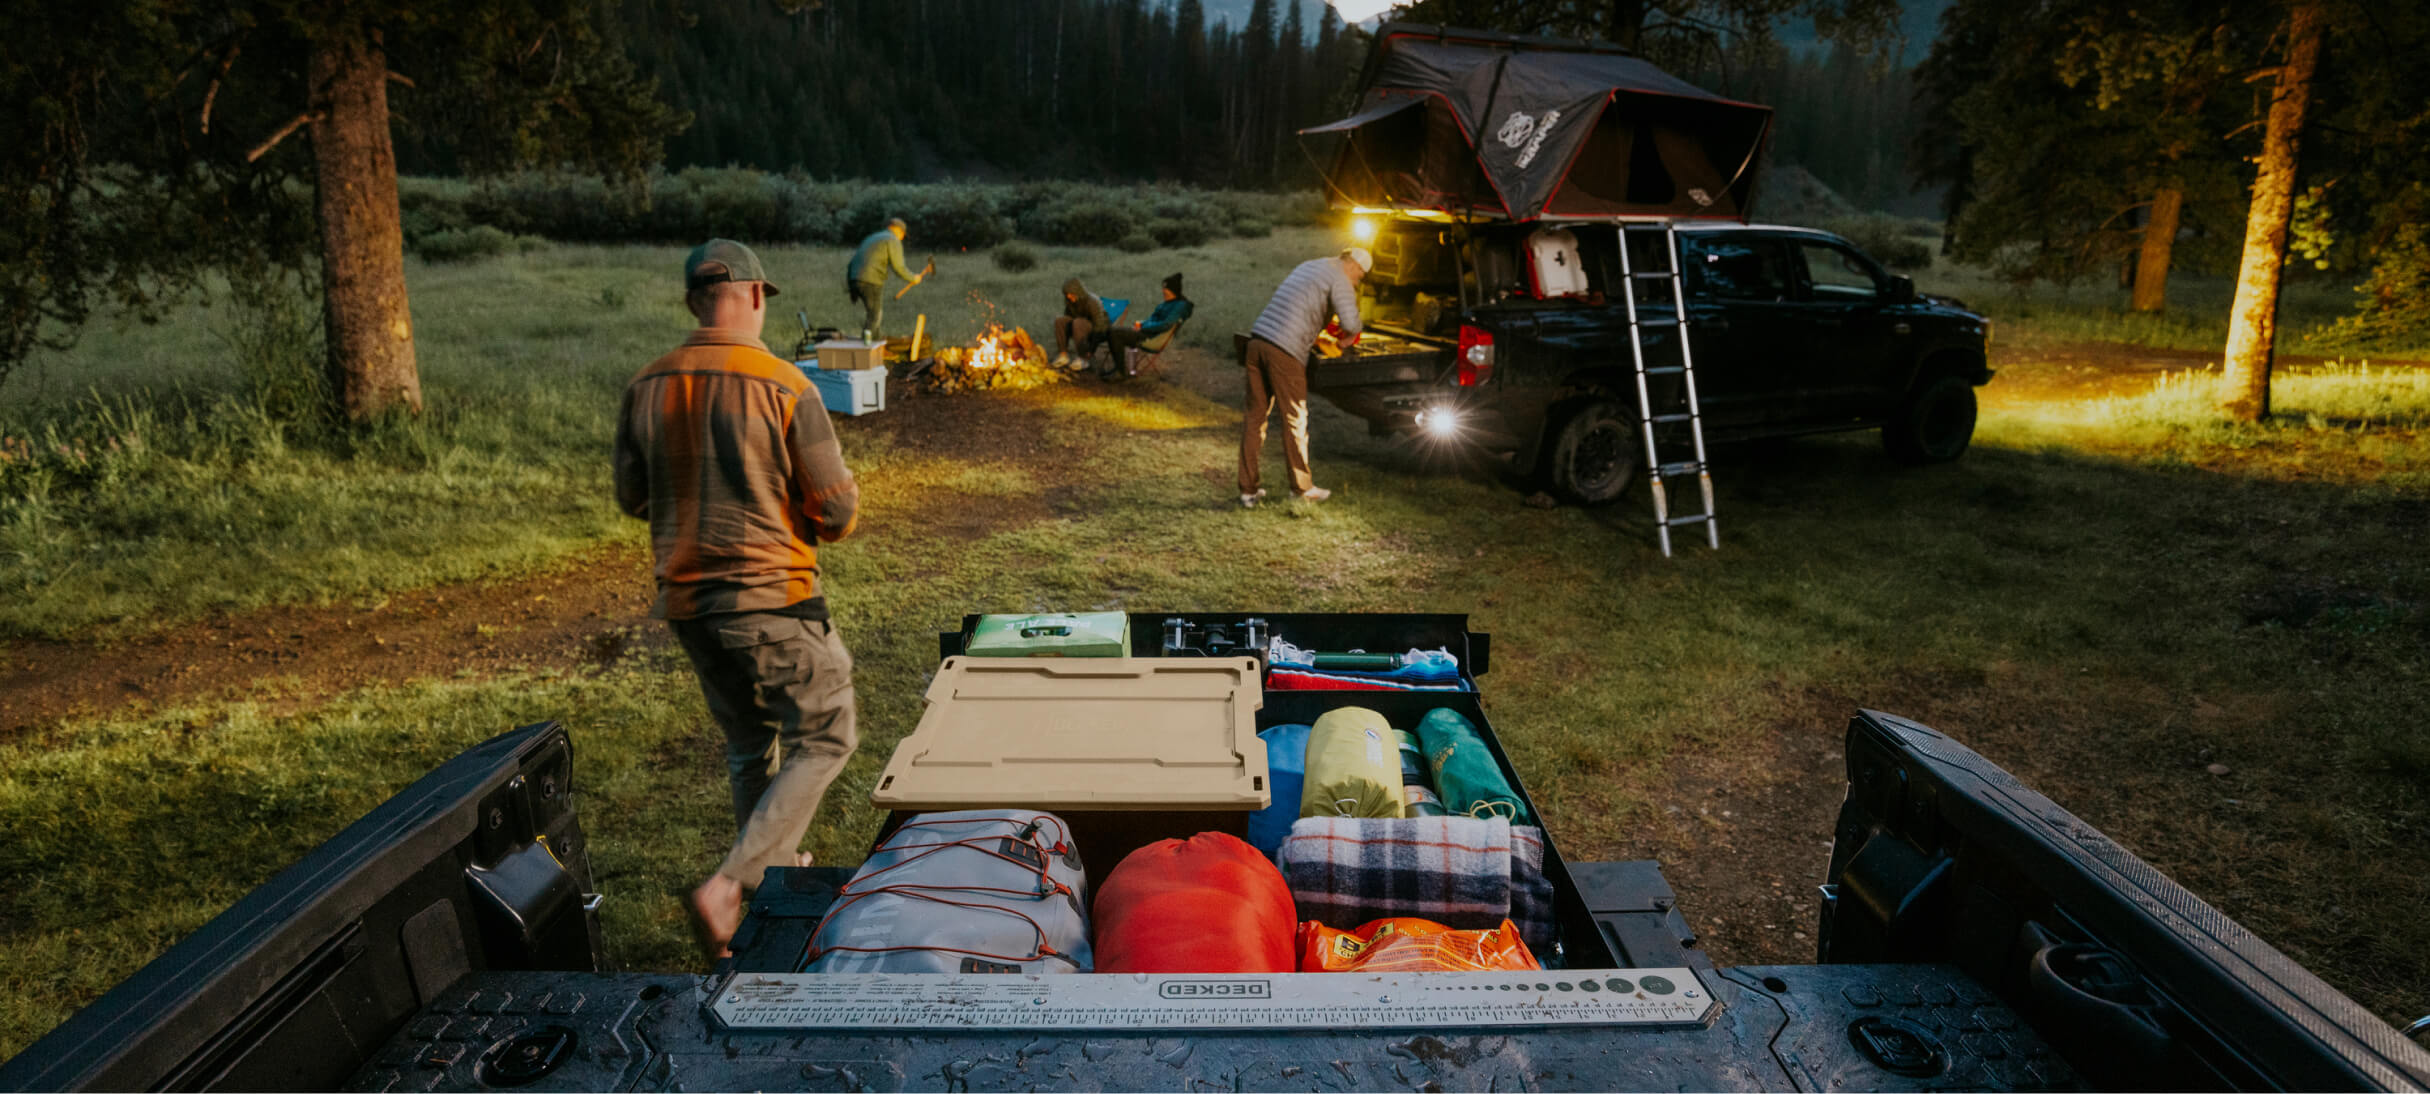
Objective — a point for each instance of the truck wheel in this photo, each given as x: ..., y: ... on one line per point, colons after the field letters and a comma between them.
x: 1935, y: 425
x: 1594, y: 457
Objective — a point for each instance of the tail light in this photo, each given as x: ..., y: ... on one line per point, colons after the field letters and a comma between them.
x: 1476, y: 355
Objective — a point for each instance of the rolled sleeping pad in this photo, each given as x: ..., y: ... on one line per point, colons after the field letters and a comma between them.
x: 972, y: 891
x: 1286, y: 771
x: 1356, y: 662
x: 1354, y: 768
x: 1210, y: 903
x: 1420, y: 801
x: 1465, y: 773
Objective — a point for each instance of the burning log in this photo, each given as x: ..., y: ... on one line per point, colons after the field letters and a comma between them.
x: 1002, y: 360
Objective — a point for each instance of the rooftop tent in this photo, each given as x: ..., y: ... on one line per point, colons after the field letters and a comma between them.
x: 1470, y: 121
x: 1407, y: 150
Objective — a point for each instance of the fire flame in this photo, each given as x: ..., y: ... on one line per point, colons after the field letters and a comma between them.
x: 995, y: 349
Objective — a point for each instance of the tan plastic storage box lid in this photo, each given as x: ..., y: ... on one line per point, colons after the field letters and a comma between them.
x: 1104, y: 733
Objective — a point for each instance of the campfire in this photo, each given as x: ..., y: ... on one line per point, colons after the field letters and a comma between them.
x: 1003, y: 359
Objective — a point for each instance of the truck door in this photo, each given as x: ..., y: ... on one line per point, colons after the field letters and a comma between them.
x: 1846, y: 302
x: 1747, y: 326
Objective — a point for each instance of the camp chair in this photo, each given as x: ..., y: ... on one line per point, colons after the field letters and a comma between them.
x: 1114, y: 307
x: 1150, y: 354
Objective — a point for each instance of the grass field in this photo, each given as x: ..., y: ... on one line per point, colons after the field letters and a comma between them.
x: 2105, y: 596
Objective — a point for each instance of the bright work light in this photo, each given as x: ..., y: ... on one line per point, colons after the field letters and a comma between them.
x: 1362, y: 229
x: 1441, y: 421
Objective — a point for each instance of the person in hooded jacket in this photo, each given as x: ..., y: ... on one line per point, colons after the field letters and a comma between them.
x: 1081, y: 327
x: 1171, y: 312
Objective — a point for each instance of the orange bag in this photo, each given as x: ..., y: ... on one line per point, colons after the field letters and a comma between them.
x: 1210, y: 903
x: 1412, y: 945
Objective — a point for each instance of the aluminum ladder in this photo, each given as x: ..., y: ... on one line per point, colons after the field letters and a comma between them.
x: 1686, y: 409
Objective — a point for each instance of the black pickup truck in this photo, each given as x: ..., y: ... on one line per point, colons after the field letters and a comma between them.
x: 1973, y: 935
x: 1792, y: 330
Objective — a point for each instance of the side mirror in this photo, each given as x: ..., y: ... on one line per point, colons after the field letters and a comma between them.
x: 1902, y: 289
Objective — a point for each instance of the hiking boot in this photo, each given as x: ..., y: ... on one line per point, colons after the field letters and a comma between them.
x: 1249, y: 501
x: 1313, y: 493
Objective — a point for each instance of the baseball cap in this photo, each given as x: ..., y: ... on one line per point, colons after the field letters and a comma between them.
x: 722, y: 260
x: 1366, y: 262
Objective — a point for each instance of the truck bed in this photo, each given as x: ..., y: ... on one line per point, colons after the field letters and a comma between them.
x: 449, y: 941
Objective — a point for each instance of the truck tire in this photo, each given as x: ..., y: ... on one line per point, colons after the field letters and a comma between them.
x: 1934, y: 425
x: 1594, y: 456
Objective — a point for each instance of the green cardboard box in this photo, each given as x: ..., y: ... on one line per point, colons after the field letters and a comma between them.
x: 1051, y: 634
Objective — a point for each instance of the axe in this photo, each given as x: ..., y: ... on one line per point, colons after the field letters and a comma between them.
x: 925, y: 271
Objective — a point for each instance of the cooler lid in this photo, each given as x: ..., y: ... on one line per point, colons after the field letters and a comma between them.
x: 1088, y: 734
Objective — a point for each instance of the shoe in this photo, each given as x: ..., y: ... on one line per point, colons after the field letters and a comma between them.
x: 1313, y: 493
x: 1063, y: 360
x: 1249, y: 501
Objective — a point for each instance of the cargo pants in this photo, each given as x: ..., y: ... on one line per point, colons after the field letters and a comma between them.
x: 1274, y: 376
x: 872, y: 299
x: 781, y: 688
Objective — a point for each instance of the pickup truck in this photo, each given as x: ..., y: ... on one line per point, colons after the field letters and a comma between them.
x: 1973, y: 935
x: 1792, y: 331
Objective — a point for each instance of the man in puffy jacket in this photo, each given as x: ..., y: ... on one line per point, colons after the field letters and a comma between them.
x: 1081, y: 326
x: 1318, y: 291
x: 1147, y: 333
x: 865, y: 276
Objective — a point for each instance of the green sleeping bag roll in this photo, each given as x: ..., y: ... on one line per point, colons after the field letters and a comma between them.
x: 1465, y: 773
x: 1354, y: 768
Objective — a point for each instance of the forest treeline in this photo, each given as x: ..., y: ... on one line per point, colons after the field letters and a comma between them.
x: 922, y: 89
x: 1116, y: 90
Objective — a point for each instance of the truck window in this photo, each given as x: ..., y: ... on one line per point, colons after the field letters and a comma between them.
x: 1739, y: 269
x: 1837, y: 274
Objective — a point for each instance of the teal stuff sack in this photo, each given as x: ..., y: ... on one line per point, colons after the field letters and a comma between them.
x: 1465, y: 774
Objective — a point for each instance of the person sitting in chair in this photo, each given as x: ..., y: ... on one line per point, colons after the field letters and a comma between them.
x: 1082, y: 326
x: 1150, y: 334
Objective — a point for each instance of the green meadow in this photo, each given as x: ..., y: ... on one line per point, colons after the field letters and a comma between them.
x: 2107, y: 595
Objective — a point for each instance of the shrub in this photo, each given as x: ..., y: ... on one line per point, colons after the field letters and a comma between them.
x: 274, y: 333
x: 463, y: 244
x: 1015, y: 257
x: 1179, y: 233
x: 758, y: 207
x: 1084, y: 221
x: 1300, y: 210
x: 957, y: 215
x: 426, y: 206
x: 1891, y: 241
x: 1137, y: 243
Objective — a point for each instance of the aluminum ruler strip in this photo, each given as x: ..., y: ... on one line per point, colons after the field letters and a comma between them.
x: 1139, y: 1001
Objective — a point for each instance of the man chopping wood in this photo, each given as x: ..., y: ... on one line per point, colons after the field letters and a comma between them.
x: 1319, y: 292
x: 865, y: 276
x: 728, y: 453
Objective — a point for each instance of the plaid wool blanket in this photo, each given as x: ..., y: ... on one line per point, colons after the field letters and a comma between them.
x: 1465, y: 873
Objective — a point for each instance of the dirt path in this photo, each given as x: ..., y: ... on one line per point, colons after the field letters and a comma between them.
x: 588, y: 610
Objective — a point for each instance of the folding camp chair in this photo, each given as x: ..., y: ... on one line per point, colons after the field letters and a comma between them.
x: 1150, y: 354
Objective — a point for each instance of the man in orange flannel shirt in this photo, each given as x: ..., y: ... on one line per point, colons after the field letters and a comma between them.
x: 728, y: 453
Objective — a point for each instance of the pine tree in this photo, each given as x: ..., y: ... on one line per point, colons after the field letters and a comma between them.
x: 117, y: 131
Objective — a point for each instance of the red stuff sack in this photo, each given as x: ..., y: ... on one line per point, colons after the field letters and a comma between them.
x: 1209, y: 903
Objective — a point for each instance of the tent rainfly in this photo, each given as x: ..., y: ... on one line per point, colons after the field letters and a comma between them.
x: 1472, y: 123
